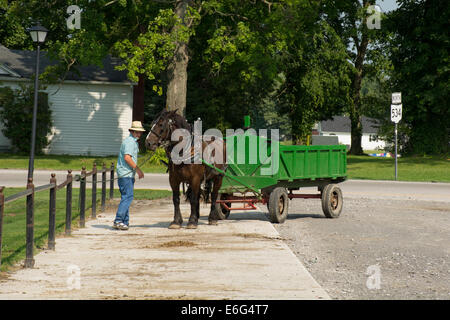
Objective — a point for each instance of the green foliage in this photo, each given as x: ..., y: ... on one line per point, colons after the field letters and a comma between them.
x: 12, y: 31
x: 241, y: 55
x: 103, y: 23
x: 16, y: 115
x: 287, y: 63
x: 365, y: 54
x: 317, y: 81
x: 419, y: 54
x: 153, y: 49
x: 158, y: 155
x: 232, y: 64
x: 280, y: 64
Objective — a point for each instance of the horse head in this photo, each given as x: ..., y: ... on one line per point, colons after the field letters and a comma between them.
x: 162, y: 127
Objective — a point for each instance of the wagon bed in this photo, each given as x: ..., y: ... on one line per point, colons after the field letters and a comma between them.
x: 298, y: 167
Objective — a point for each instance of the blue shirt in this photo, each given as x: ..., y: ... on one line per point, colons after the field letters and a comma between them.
x: 129, y: 146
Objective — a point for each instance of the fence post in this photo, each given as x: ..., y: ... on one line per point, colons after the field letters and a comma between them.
x: 94, y: 191
x: 103, y: 187
x: 82, y: 197
x: 2, y: 206
x: 52, y: 214
x: 111, y: 182
x: 29, y: 261
x: 69, y: 204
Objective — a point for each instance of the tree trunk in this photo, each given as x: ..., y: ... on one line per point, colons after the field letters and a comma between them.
x: 356, y: 134
x: 355, y: 116
x: 355, y: 110
x: 177, y: 70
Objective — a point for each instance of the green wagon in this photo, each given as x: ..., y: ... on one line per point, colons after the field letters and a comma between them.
x: 248, y: 181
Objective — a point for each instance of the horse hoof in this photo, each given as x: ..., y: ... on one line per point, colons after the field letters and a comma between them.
x: 174, y: 226
x: 191, y: 226
x: 213, y: 222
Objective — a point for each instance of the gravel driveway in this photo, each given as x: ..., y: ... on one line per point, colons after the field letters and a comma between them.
x: 376, y: 249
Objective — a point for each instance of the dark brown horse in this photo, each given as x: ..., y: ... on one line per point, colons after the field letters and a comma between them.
x: 193, y: 174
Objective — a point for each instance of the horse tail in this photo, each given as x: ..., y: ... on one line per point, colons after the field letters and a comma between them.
x: 187, y: 195
x: 205, y: 194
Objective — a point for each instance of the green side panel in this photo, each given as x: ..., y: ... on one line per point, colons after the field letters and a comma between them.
x: 294, y: 163
x: 312, y: 162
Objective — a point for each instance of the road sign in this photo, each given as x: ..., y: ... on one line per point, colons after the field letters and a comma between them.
x: 396, y: 116
x: 396, y: 112
x: 397, y: 98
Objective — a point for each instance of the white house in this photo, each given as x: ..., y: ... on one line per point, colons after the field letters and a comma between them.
x: 92, y: 110
x: 340, y: 126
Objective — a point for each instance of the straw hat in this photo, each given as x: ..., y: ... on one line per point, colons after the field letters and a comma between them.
x: 137, y: 126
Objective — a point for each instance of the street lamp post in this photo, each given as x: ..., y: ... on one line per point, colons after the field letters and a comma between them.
x: 38, y: 34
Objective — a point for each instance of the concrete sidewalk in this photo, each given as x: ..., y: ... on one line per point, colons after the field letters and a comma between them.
x: 241, y: 258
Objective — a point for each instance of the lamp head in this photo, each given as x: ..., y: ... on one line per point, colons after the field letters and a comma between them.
x: 38, y: 33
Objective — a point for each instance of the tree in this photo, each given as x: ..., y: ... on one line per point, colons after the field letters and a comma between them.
x: 103, y: 24
x: 317, y: 79
x: 419, y: 53
x: 12, y: 32
x: 264, y: 58
x: 233, y: 63
x: 238, y: 57
x: 209, y: 26
x: 16, y: 115
x: 350, y: 19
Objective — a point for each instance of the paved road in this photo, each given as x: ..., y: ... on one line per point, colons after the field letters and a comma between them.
x: 351, y: 188
x: 376, y: 249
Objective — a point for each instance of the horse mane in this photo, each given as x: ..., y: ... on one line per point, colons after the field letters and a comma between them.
x: 180, y: 121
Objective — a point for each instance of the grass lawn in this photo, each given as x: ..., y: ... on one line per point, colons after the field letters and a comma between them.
x: 66, y: 162
x: 14, y: 224
x: 425, y: 169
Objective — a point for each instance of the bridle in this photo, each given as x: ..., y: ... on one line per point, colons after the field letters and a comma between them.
x: 168, y: 127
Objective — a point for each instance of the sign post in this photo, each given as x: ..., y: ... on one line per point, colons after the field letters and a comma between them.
x: 396, y: 116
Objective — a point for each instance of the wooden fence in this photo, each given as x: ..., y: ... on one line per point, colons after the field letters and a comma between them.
x: 53, y: 187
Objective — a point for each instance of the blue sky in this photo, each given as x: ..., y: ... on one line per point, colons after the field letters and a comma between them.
x: 387, y: 5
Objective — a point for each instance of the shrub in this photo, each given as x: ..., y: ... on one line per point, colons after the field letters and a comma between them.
x: 160, y: 154
x: 16, y: 115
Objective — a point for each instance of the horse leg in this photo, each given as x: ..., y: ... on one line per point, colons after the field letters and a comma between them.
x: 213, y: 216
x: 177, y: 218
x: 195, y: 204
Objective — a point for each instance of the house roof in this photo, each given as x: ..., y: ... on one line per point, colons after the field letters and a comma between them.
x: 342, y: 124
x: 23, y: 63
